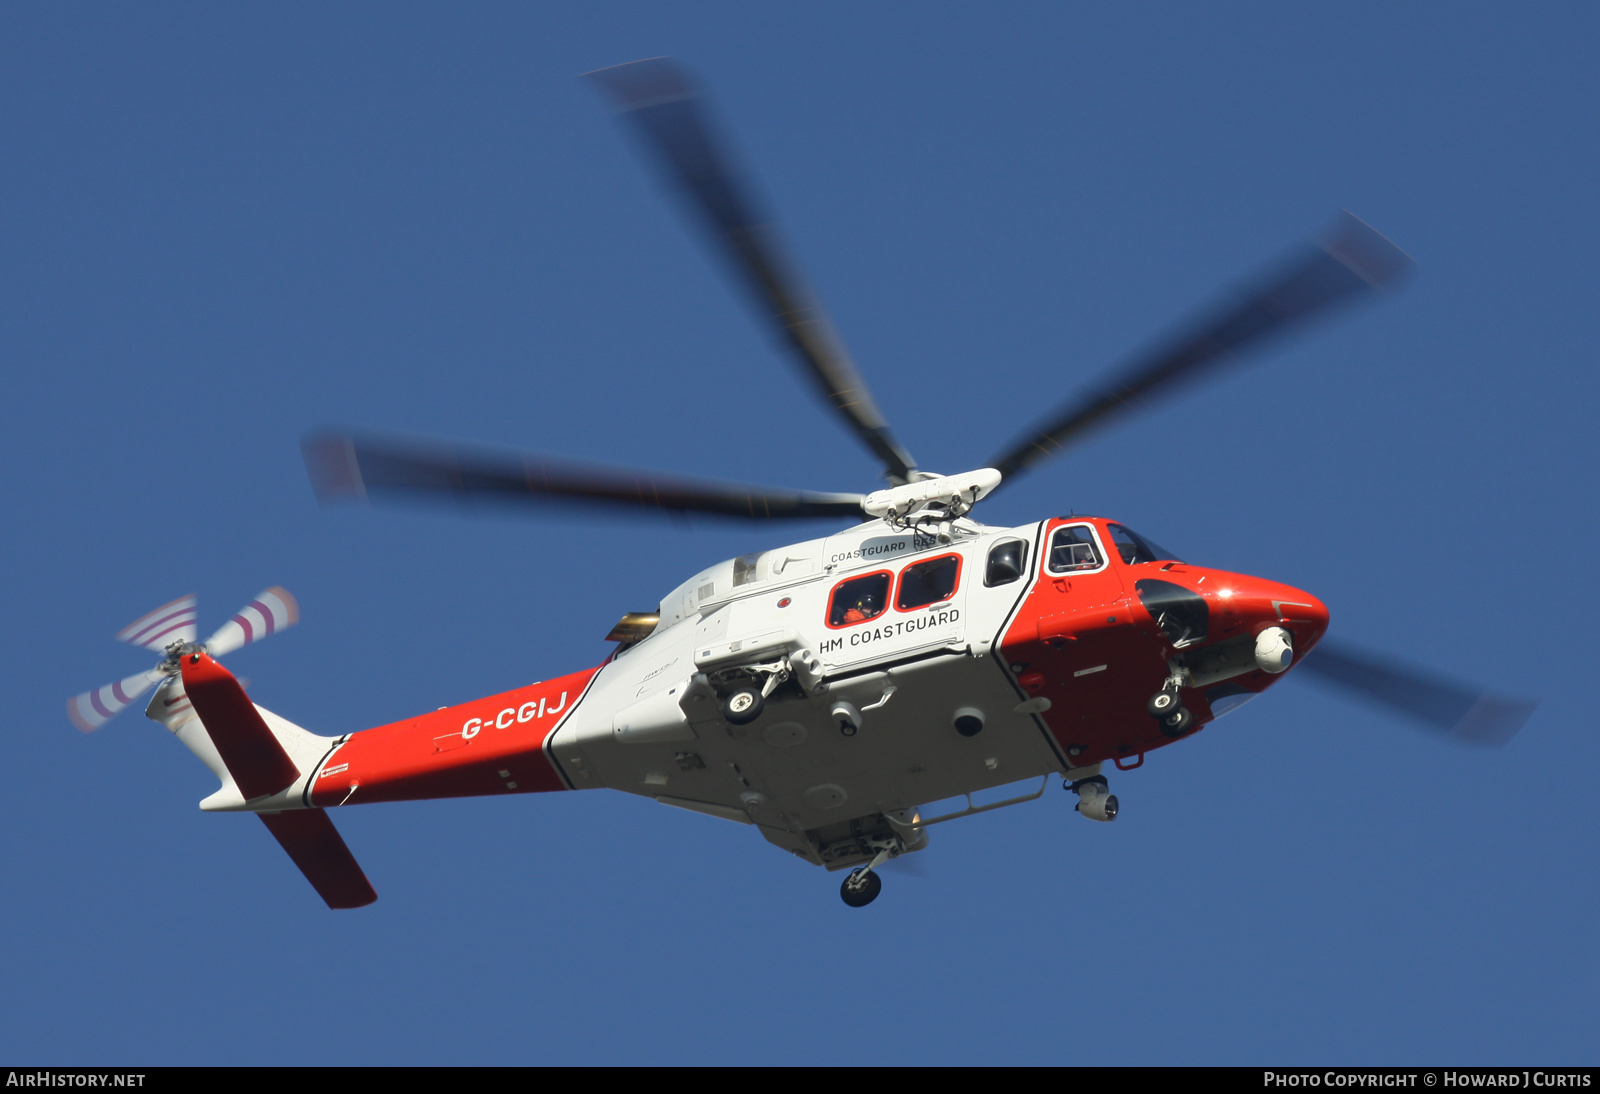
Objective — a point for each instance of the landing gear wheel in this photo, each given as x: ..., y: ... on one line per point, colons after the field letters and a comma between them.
x: 867, y: 891
x: 743, y: 705
x: 1178, y: 723
x: 1163, y: 703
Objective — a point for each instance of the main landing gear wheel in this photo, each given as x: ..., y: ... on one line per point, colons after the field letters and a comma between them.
x: 1162, y: 703
x: 1177, y: 723
x: 743, y: 705
x: 867, y: 888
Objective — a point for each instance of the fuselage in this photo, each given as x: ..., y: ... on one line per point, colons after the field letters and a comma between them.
x: 974, y: 657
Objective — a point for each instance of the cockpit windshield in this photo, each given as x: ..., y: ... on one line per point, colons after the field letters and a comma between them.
x: 1134, y: 548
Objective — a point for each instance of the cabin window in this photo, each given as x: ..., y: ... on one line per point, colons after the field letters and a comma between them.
x: 859, y: 599
x: 1073, y: 548
x: 1134, y: 548
x: 928, y: 582
x: 1007, y: 560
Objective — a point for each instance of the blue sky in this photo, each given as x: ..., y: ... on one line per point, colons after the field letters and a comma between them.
x: 224, y: 225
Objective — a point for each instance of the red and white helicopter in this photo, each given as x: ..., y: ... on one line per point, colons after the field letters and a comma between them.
x: 821, y: 692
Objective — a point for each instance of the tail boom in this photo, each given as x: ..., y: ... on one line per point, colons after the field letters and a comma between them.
x: 493, y: 745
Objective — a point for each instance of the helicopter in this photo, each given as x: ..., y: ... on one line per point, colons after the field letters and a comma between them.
x: 832, y: 693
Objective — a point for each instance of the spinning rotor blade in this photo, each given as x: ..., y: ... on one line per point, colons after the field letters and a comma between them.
x: 93, y: 709
x: 665, y: 106
x: 1457, y: 710
x: 344, y: 468
x: 172, y: 622
x: 1351, y: 261
x: 270, y: 612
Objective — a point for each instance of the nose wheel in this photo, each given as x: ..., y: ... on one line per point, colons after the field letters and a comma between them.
x: 1164, y: 702
x: 1166, y: 707
x: 1177, y: 723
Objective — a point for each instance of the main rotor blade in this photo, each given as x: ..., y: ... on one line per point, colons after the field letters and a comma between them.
x: 1458, y: 710
x: 662, y: 101
x: 345, y: 468
x: 1350, y: 262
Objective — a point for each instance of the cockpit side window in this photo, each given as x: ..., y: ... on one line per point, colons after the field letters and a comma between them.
x: 1073, y: 549
x: 1007, y: 561
x: 859, y: 599
x: 1135, y: 549
x: 929, y: 582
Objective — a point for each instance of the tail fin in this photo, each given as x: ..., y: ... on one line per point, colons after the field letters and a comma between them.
x: 253, y: 756
x: 260, y: 767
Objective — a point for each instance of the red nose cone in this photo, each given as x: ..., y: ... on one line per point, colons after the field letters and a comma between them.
x: 1305, y: 617
x: 1261, y: 604
x: 1316, y: 617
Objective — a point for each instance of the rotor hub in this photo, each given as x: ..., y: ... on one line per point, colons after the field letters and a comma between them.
x: 944, y: 496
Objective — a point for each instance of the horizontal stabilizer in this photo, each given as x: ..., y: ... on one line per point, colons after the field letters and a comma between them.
x: 253, y: 756
x: 317, y: 848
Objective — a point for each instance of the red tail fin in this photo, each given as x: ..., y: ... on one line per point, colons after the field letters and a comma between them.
x: 255, y: 759
x: 317, y: 848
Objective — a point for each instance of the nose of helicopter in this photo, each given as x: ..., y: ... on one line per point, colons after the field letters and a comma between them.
x: 1260, y: 607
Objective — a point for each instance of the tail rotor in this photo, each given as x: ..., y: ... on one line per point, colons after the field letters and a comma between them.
x: 172, y: 630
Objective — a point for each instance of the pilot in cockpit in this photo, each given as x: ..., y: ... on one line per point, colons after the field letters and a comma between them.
x: 1072, y: 549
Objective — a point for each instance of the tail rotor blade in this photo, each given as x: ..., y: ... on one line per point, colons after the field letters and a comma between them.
x: 1458, y: 710
x: 270, y: 612
x: 93, y: 709
x: 172, y: 622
